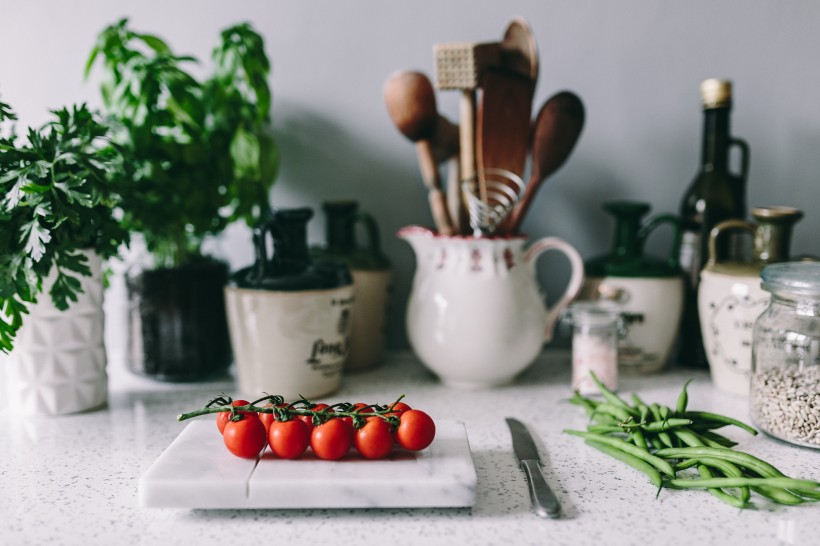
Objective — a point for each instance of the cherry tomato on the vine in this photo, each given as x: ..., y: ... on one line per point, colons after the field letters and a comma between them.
x: 416, y: 430
x: 308, y: 420
x: 245, y: 437
x: 289, y: 439
x: 267, y: 418
x: 224, y: 416
x: 375, y: 439
x: 332, y: 439
x: 398, y: 408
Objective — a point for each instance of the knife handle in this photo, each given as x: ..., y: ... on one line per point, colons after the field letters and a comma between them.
x: 544, y: 502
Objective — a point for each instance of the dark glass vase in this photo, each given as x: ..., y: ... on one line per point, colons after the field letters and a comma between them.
x: 177, y: 325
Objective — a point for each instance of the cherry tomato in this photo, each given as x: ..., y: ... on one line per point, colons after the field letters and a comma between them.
x: 267, y: 418
x: 399, y: 408
x: 375, y: 439
x: 308, y: 420
x: 332, y: 439
x: 224, y: 416
x: 289, y: 439
x: 245, y: 437
x: 361, y: 407
x: 416, y: 430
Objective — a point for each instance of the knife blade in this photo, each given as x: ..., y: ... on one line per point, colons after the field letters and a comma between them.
x: 544, y: 502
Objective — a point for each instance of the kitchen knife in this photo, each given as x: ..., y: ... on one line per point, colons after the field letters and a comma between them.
x: 544, y: 501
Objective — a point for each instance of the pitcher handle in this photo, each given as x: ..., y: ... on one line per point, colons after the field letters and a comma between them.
x: 576, y: 278
x: 371, y: 229
x: 723, y: 227
x: 677, y: 235
x: 266, y: 226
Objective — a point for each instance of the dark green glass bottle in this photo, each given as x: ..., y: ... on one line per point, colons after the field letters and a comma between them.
x: 716, y: 194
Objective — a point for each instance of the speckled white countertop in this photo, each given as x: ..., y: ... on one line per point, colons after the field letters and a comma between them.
x: 73, y: 480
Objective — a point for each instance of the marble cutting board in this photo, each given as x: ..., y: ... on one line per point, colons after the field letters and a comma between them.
x: 197, y: 471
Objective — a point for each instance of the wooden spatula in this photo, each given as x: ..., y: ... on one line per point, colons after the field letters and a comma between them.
x: 505, y: 108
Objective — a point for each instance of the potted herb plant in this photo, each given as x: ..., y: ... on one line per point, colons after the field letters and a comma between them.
x: 200, y: 155
x: 57, y: 224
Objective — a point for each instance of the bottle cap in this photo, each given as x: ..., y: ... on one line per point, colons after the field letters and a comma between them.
x: 715, y: 93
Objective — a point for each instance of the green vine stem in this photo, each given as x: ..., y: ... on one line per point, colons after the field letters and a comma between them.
x: 299, y: 408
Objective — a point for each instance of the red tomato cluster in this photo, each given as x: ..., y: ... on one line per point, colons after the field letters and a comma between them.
x: 331, y: 440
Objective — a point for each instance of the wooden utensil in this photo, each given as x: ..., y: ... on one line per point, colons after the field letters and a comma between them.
x: 411, y: 103
x: 503, y: 121
x: 555, y: 132
x: 460, y: 66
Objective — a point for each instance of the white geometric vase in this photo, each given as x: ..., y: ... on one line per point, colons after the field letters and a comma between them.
x: 58, y: 362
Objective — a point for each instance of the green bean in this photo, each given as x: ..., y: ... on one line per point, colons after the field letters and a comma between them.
x: 631, y: 460
x: 643, y: 454
x: 740, y: 458
x: 665, y: 439
x: 660, y: 426
x: 613, y: 398
x: 638, y: 439
x: 604, y: 429
x: 730, y: 471
x: 683, y: 399
x: 715, y: 438
x: 688, y: 437
x: 613, y: 410
x: 655, y: 441
x: 588, y: 404
x: 687, y: 463
x: 707, y: 416
x: 780, y: 496
x: 705, y: 473
x: 705, y: 483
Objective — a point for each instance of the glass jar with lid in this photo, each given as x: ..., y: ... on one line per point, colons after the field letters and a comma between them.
x: 596, y: 328
x: 785, y: 384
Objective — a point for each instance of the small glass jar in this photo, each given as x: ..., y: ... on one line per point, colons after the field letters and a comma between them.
x: 785, y: 384
x: 596, y: 327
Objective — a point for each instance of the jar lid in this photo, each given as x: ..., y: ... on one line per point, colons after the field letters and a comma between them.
x: 800, y: 278
x: 594, y: 313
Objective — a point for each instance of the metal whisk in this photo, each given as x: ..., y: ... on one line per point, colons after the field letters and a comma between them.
x: 504, y: 189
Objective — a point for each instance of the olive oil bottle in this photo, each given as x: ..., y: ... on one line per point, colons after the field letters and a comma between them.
x: 716, y: 194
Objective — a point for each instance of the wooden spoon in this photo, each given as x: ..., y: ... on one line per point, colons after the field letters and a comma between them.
x: 411, y: 103
x: 555, y: 132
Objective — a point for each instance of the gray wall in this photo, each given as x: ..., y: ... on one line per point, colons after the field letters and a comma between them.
x: 635, y: 63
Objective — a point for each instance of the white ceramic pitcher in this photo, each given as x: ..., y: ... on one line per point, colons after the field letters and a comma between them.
x: 476, y: 316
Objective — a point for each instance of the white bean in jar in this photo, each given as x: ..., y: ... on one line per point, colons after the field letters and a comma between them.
x: 785, y: 383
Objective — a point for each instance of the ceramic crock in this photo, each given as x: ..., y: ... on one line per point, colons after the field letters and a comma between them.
x: 289, y: 317
x: 58, y: 364
x: 730, y: 297
x: 372, y: 278
x: 475, y: 315
x: 647, y: 289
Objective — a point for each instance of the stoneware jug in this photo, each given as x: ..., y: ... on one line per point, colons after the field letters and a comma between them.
x: 288, y: 316
x: 475, y: 315
x: 730, y: 297
x: 647, y: 289
x: 372, y: 278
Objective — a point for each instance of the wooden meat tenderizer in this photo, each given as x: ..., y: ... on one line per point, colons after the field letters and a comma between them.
x: 459, y: 66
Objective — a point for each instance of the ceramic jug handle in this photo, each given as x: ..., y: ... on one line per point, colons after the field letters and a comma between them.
x: 658, y: 221
x: 266, y: 226
x: 722, y: 227
x: 372, y: 231
x: 576, y: 278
